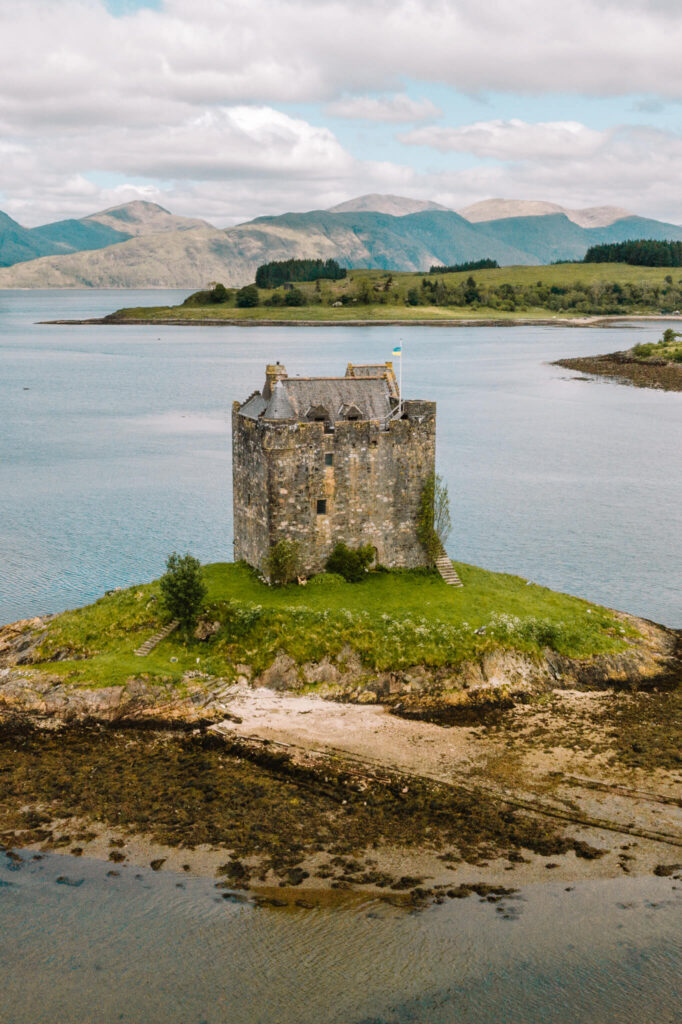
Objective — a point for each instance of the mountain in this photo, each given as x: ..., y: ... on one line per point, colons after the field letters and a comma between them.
x: 143, y: 218
x: 118, y: 224
x: 193, y: 257
x: 499, y: 209
x: 396, y: 206
x: 155, y: 249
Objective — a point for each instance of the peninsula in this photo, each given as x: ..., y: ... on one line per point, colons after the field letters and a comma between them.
x: 649, y: 365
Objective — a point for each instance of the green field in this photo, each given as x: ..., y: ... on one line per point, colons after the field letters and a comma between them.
x: 392, y: 620
x: 505, y: 293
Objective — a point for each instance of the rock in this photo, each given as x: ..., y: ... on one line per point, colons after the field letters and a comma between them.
x: 666, y: 870
x: 205, y: 629
x: 282, y: 674
x: 321, y: 672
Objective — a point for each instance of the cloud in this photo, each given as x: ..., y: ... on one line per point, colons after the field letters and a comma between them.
x: 87, y: 64
x: 511, y: 140
x: 180, y: 99
x: 396, y: 109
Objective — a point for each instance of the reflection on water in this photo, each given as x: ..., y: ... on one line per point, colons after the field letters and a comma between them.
x: 138, y: 946
x: 115, y: 449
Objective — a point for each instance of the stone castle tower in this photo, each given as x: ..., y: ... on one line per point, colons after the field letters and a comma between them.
x: 319, y: 460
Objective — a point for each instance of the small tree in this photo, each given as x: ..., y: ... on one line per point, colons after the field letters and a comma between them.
x: 282, y: 564
x: 433, y: 518
x: 219, y: 293
x: 182, y: 589
x: 295, y: 297
x: 247, y: 297
x: 351, y: 563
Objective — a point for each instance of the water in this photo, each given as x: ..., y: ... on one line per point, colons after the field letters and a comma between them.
x: 166, y: 949
x: 119, y: 452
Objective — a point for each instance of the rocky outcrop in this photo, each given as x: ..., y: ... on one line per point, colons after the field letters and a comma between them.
x: 653, y: 661
x: 44, y: 700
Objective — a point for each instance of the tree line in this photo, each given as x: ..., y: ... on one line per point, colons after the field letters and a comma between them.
x: 471, y: 265
x: 272, y: 275
x: 642, y: 252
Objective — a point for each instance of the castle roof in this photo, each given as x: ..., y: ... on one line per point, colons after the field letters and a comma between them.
x: 360, y: 395
x: 370, y: 395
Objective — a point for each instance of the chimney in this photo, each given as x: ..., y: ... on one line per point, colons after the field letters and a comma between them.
x: 273, y: 372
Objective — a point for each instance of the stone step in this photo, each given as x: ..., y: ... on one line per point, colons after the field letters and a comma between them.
x: 447, y: 571
x: 149, y: 645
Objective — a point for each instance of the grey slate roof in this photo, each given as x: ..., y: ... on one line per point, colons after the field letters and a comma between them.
x: 375, y: 370
x: 253, y: 406
x: 370, y: 394
x: 364, y: 394
x: 279, y: 407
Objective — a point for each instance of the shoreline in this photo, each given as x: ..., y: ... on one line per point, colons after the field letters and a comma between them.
x: 412, y: 810
x: 599, y: 321
x: 627, y: 370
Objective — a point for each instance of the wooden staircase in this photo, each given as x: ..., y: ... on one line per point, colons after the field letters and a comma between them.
x: 149, y: 645
x: 447, y: 570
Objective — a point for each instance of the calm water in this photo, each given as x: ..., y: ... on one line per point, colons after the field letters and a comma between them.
x: 119, y: 451
x: 115, y: 450
x: 138, y: 948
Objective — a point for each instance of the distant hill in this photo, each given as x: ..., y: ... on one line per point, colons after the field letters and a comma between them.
x: 118, y: 224
x: 396, y: 206
x: 142, y: 218
x: 498, y: 209
x: 193, y: 257
x: 141, y: 245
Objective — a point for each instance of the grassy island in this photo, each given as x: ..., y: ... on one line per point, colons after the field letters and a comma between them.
x: 461, y: 737
x: 391, y: 621
x: 572, y: 291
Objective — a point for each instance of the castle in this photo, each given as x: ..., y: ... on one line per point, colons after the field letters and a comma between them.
x: 318, y: 460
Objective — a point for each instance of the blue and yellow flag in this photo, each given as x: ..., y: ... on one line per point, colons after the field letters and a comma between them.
x: 398, y: 350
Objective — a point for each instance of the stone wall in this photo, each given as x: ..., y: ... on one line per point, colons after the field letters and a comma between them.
x: 371, y: 489
x: 250, y: 490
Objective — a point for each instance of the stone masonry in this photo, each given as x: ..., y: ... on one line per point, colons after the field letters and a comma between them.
x: 328, y: 459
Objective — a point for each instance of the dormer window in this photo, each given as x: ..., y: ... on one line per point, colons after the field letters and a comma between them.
x: 350, y: 412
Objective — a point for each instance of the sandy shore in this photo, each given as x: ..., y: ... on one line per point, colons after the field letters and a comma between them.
x: 631, y: 816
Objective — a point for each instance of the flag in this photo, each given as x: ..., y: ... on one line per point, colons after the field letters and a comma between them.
x: 398, y: 350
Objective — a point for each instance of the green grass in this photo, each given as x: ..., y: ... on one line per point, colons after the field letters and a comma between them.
x: 392, y: 620
x: 663, y: 349
x: 319, y: 306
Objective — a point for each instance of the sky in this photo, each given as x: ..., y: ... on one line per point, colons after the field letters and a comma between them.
x: 232, y: 109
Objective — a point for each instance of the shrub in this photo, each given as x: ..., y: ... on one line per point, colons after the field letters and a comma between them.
x: 182, y: 589
x: 294, y: 297
x: 351, y: 563
x: 643, y: 351
x: 282, y: 564
x: 433, y: 518
x: 247, y: 297
x: 219, y: 293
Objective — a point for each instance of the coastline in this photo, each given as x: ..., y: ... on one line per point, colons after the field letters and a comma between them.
x: 597, y: 321
x: 416, y: 797
x: 624, y: 369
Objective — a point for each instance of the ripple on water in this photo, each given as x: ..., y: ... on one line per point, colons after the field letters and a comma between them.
x: 139, y: 948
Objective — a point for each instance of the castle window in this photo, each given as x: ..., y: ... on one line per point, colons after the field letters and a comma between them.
x: 321, y: 506
x: 328, y: 459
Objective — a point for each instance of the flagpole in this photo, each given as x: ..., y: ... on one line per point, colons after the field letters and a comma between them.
x: 400, y: 386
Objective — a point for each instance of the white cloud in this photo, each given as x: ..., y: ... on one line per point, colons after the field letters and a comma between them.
x: 183, y: 99
x: 511, y: 140
x: 396, y: 109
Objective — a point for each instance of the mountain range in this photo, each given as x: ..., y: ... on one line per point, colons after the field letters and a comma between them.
x: 142, y: 245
